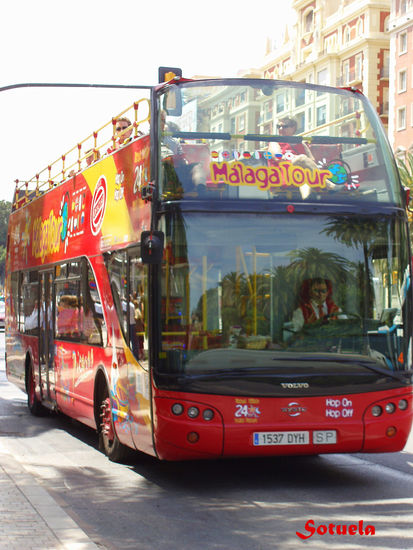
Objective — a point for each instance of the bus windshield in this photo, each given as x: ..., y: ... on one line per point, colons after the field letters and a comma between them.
x: 238, y: 292
x: 272, y: 140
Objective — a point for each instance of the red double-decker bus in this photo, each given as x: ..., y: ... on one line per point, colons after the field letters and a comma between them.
x: 233, y: 279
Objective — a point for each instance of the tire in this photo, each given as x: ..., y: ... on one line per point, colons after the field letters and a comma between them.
x: 109, y: 443
x: 34, y: 405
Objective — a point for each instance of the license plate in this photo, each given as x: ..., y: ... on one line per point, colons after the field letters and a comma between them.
x: 324, y: 437
x: 281, y: 438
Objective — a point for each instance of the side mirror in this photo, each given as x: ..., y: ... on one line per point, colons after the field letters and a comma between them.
x: 152, y: 247
x: 165, y: 74
x: 172, y: 101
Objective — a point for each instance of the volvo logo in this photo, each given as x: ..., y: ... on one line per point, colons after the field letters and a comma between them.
x: 295, y: 385
x: 293, y: 409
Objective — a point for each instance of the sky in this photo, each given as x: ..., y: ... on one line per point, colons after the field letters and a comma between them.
x: 109, y: 42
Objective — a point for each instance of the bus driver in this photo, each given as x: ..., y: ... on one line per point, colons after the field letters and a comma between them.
x: 316, y: 303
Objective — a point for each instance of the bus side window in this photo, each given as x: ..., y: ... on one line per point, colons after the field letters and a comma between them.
x: 94, y: 327
x: 14, y: 304
x: 116, y: 263
x: 31, y: 304
x: 138, y: 296
x: 68, y: 316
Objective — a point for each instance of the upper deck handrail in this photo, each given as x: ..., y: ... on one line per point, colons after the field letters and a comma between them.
x: 44, y: 180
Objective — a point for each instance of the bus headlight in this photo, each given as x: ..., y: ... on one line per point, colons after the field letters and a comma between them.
x: 177, y: 409
x: 403, y: 404
x: 376, y: 410
x: 390, y: 408
x: 193, y: 412
x: 208, y: 414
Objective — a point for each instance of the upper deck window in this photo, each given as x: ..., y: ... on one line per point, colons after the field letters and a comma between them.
x: 318, y: 143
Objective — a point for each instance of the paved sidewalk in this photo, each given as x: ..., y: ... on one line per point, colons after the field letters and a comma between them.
x: 30, y: 519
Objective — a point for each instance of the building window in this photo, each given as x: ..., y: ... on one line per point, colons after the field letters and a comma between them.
x: 402, y: 43
x: 280, y: 102
x: 384, y: 108
x: 346, y: 37
x: 268, y: 111
x: 384, y: 71
x: 241, y: 123
x: 401, y: 118
x: 321, y: 115
x: 299, y: 97
x: 346, y: 72
x: 402, y: 81
x: 322, y: 77
x: 359, y: 66
x: 308, y: 21
x: 300, y: 118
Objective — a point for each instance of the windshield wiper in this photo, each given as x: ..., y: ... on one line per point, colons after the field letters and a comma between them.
x: 265, y: 370
x: 229, y: 373
x: 363, y: 363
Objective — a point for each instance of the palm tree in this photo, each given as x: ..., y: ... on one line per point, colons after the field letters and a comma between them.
x: 284, y: 296
x: 406, y: 176
x: 311, y: 262
x: 406, y: 170
x: 358, y: 232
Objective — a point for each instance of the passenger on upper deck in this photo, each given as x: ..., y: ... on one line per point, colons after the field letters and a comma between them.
x: 184, y: 177
x: 298, y: 154
x: 92, y: 155
x: 287, y: 126
x: 123, y: 132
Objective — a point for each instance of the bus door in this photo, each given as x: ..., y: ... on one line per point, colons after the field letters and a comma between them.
x: 128, y: 278
x: 46, y: 345
x: 138, y: 371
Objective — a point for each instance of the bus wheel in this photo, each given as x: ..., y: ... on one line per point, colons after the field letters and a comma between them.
x: 35, y: 406
x: 108, y: 440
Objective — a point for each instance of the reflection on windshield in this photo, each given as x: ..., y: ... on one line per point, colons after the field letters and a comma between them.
x: 330, y: 285
x: 278, y: 141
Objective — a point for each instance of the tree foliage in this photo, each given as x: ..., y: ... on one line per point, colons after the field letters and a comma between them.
x: 405, y: 167
x: 5, y: 209
x: 406, y: 170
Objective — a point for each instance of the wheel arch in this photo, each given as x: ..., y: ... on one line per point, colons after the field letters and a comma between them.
x: 27, y: 363
x: 101, y: 380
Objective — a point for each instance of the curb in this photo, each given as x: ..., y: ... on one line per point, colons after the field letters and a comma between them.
x: 30, y: 517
